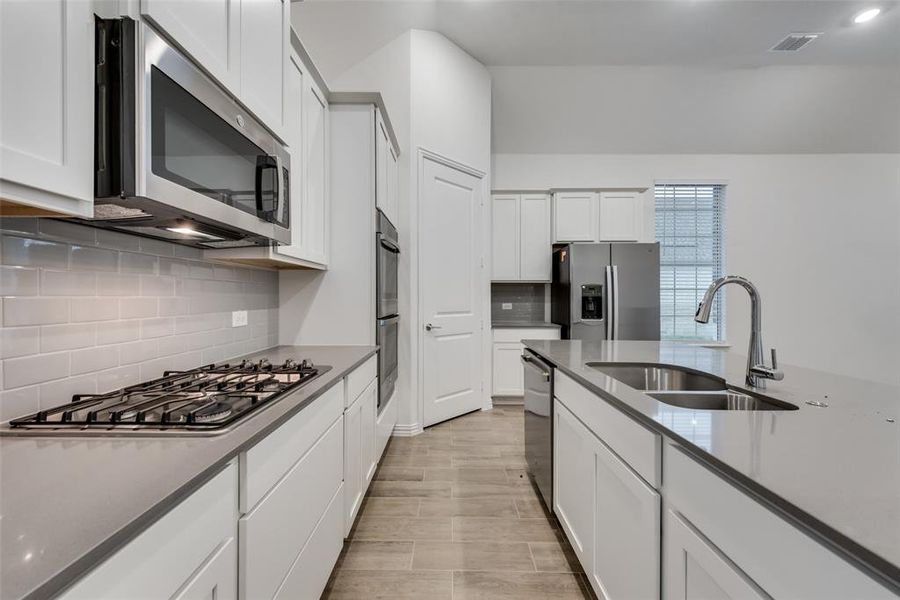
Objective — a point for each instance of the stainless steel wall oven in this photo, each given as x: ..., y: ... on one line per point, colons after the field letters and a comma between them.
x: 387, y: 311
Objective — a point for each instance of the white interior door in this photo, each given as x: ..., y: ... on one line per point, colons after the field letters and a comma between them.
x: 450, y: 291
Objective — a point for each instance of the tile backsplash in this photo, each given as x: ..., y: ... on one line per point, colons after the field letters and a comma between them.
x: 526, y: 302
x: 86, y: 310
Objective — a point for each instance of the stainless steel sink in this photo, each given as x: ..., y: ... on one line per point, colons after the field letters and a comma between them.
x: 687, y: 388
x: 726, y: 400
x: 650, y: 377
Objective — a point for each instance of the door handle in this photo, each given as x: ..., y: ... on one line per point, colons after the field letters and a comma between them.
x: 429, y: 327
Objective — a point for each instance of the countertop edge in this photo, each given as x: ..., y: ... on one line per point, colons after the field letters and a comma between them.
x: 871, y: 563
x: 71, y: 574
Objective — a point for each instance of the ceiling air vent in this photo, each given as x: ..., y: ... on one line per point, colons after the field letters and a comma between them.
x: 794, y: 42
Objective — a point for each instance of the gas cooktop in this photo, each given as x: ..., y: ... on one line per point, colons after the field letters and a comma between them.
x: 208, y: 399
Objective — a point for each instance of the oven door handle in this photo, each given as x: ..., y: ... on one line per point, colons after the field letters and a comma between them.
x: 389, y: 245
x: 388, y: 321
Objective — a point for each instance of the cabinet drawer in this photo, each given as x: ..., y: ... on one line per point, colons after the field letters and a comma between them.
x: 267, y: 462
x: 160, y: 560
x: 783, y: 560
x: 632, y: 442
x: 309, y: 573
x: 504, y: 334
x: 273, y: 534
x: 359, y: 380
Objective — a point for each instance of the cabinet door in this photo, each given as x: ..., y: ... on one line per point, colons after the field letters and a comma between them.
x: 625, y: 561
x: 354, y: 470
x: 393, y: 185
x: 314, y: 216
x: 505, y: 238
x: 535, y: 248
x: 508, y: 376
x: 369, y: 461
x: 696, y: 570
x: 215, y: 580
x: 382, y: 143
x: 573, y: 481
x: 208, y: 30
x: 620, y: 217
x: 265, y: 43
x: 293, y: 127
x: 575, y: 216
x: 47, y: 106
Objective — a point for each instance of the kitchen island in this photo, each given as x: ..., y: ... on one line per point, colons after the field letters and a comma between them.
x: 831, y: 472
x: 68, y: 503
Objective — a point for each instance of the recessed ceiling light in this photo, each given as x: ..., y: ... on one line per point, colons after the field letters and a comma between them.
x: 867, y: 15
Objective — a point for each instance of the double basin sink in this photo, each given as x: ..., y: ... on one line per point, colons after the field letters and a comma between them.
x: 687, y: 388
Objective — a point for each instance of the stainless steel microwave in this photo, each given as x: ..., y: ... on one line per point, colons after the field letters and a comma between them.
x: 176, y: 156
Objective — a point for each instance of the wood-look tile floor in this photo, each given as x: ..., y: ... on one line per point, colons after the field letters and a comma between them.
x: 451, y: 514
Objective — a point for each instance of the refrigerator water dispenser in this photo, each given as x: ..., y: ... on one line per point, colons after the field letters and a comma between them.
x: 591, y: 302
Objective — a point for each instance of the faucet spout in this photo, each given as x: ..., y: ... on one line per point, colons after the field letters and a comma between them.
x: 757, y: 371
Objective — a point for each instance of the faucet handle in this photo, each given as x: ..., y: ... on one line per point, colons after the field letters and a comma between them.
x: 774, y: 360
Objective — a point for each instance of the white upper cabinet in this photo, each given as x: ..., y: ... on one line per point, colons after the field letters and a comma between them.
x: 387, y: 180
x: 620, y: 216
x: 46, y: 108
x: 505, y: 238
x: 534, y: 237
x: 245, y: 45
x: 520, y: 239
x: 208, y: 30
x: 575, y: 217
x: 314, y: 216
x: 265, y: 43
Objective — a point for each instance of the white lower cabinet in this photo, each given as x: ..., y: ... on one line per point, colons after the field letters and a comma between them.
x: 573, y: 478
x: 189, y: 553
x: 507, y: 367
x: 696, y: 570
x: 625, y: 560
x: 384, y: 426
x: 360, y: 457
x: 310, y: 572
x: 508, y: 378
x: 276, y: 530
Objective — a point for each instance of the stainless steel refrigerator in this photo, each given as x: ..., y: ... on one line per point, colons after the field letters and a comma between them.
x: 606, y: 291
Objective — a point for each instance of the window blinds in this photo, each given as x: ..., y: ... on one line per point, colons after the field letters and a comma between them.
x: 690, y: 228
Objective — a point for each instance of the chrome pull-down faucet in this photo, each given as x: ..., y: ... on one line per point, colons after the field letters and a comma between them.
x: 757, y: 370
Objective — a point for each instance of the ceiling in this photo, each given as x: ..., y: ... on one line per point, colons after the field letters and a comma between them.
x: 710, y: 33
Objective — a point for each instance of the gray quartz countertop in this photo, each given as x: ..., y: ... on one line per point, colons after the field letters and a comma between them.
x: 523, y: 324
x: 834, y: 470
x: 66, y: 503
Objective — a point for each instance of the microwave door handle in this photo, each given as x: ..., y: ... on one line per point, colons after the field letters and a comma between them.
x: 279, y: 181
x: 262, y: 163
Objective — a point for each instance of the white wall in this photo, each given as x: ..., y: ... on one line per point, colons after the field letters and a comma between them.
x: 682, y: 110
x: 438, y: 98
x: 451, y: 116
x: 818, y: 234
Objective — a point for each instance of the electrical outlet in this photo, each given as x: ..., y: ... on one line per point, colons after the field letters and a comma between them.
x: 238, y: 318
x: 506, y: 306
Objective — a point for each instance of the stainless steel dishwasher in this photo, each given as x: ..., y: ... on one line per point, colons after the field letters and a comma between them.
x: 539, y: 423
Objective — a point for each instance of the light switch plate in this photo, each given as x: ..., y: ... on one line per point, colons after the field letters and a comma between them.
x: 506, y: 306
x: 238, y: 318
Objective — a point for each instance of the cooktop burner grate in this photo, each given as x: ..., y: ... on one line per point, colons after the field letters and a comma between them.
x: 208, y: 398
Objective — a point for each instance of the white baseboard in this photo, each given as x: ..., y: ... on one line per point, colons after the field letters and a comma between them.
x: 407, y: 429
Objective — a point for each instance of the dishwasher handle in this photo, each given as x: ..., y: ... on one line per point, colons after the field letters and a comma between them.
x: 527, y: 360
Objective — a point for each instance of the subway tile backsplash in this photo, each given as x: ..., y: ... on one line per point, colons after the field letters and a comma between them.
x: 86, y: 310
x: 525, y: 301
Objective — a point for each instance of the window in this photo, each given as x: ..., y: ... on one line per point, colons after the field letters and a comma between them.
x: 690, y: 230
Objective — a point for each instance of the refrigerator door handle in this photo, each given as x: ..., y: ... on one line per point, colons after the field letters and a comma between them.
x: 609, y: 303
x: 615, y: 302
